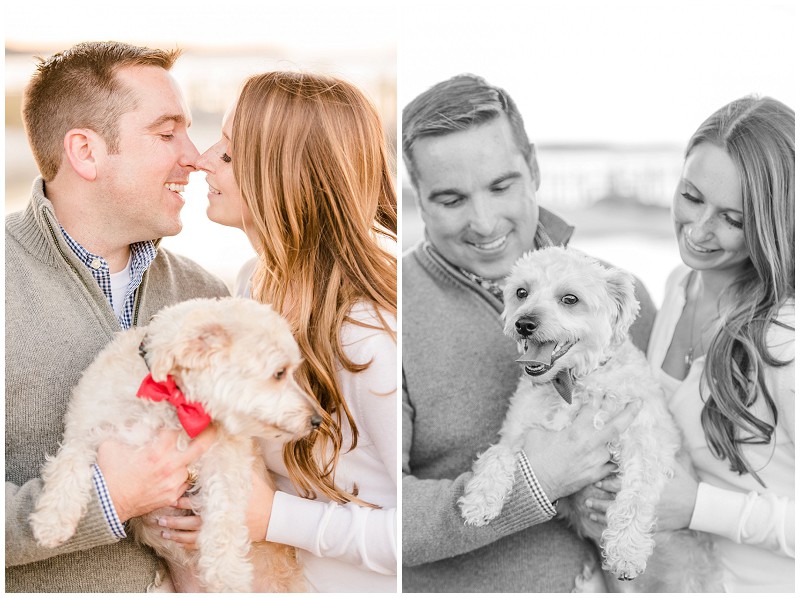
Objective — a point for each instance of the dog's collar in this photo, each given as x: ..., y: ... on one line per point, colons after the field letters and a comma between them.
x: 143, y: 352
x: 564, y: 381
x: 191, y: 415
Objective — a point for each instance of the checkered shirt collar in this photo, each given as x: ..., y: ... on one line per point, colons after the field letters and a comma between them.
x: 142, y: 255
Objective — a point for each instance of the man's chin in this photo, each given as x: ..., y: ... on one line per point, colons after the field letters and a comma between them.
x: 493, y: 270
x: 171, y: 230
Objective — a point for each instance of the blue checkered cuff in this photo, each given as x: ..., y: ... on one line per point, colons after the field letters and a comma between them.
x: 527, y: 472
x: 105, y: 501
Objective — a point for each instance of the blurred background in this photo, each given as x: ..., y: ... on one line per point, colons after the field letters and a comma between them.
x: 610, y: 92
x: 223, y: 43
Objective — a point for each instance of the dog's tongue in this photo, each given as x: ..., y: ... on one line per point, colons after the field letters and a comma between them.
x: 541, y: 353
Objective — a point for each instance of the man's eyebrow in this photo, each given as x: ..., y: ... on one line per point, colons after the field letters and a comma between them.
x: 165, y: 118
x: 506, y: 176
x: 513, y: 174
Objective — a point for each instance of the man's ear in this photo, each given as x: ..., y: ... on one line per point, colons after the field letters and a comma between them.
x: 533, y: 164
x: 82, y: 148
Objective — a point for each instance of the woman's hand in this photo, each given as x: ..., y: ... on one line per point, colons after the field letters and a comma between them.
x: 177, y: 524
x: 259, y: 508
x: 676, y: 506
x: 593, y: 501
x: 674, y: 509
x: 184, y: 528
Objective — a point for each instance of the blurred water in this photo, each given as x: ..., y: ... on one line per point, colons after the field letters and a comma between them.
x: 617, y: 197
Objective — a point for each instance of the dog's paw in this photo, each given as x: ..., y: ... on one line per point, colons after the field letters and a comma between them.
x: 225, y: 568
x: 475, y: 516
x: 240, y: 581
x: 625, y: 569
x: 478, y: 509
x: 487, y: 490
x: 48, y: 533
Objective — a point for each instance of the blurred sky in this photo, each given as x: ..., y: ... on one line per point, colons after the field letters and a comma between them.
x: 223, y: 43
x: 308, y: 27
x: 644, y: 71
x: 639, y: 76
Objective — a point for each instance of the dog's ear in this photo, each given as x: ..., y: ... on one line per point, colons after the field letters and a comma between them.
x: 193, y: 348
x: 621, y: 287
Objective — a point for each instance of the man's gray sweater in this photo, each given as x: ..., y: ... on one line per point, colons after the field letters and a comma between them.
x: 57, y: 320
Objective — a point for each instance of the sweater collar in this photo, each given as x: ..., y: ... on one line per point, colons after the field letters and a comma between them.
x: 38, y: 230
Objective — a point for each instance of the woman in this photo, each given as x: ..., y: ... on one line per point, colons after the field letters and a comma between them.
x: 302, y: 168
x: 723, y: 343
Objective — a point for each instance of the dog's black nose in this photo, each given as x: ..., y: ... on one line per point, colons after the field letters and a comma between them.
x: 316, y: 420
x: 525, y: 326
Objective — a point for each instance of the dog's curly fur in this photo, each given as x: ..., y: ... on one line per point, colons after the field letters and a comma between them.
x: 236, y: 358
x: 561, y: 297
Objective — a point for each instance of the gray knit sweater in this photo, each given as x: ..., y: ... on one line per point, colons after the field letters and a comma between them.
x: 458, y: 374
x: 57, y: 320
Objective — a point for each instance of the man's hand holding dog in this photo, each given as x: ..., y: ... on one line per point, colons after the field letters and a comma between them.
x: 141, y: 480
x: 576, y: 456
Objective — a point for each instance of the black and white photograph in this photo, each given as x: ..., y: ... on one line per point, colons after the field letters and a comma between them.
x: 597, y: 291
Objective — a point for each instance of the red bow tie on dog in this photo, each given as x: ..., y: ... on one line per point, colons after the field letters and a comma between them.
x: 192, y: 416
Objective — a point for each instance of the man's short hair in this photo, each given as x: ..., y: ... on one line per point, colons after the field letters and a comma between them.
x: 457, y: 104
x: 78, y: 88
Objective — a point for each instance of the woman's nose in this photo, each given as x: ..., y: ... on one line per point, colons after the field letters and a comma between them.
x: 203, y: 161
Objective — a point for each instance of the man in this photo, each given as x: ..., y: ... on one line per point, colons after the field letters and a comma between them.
x: 108, y: 128
x: 475, y: 176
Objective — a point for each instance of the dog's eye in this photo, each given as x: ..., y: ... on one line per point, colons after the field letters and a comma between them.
x: 280, y: 374
x: 522, y: 293
x: 569, y: 299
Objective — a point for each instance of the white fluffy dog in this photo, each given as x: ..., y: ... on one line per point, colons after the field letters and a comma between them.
x: 570, y: 316
x: 235, y: 358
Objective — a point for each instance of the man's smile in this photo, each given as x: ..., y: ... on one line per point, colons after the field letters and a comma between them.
x: 490, y: 245
x: 177, y: 187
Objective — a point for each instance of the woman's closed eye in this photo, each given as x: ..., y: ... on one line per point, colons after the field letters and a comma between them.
x: 691, y: 198
x: 733, y: 221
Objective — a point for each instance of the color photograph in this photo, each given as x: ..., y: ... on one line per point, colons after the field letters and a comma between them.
x: 201, y: 297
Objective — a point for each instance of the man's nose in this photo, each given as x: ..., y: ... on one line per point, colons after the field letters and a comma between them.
x: 189, y: 155
x: 482, y: 219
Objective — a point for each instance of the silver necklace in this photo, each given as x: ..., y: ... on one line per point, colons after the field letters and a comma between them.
x: 689, y: 357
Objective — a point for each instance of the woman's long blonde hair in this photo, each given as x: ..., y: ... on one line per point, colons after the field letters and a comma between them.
x: 311, y: 161
x: 758, y: 136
